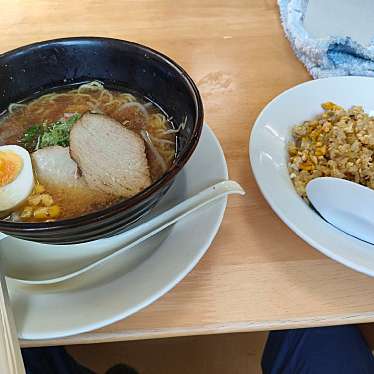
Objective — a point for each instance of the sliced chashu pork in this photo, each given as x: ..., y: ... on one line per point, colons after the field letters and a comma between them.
x: 54, y: 166
x: 60, y: 175
x: 110, y: 157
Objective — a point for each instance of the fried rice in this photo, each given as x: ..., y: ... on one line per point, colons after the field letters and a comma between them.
x: 338, y: 143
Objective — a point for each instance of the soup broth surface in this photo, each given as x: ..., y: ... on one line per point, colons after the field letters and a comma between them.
x: 22, y: 121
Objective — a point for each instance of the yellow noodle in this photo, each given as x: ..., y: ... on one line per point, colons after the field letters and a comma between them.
x: 112, y: 103
x: 127, y: 97
x: 82, y: 95
x: 15, y: 106
x: 94, y: 85
x: 38, y: 111
x: 103, y: 93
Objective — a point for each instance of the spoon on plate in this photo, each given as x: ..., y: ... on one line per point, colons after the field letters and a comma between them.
x: 10, y: 353
x: 153, y: 226
x: 346, y: 205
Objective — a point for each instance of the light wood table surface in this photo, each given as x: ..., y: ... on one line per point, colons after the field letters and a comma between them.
x: 257, y: 275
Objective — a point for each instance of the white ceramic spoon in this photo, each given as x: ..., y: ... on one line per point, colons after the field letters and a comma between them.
x: 10, y: 353
x: 346, y: 205
x: 154, y: 226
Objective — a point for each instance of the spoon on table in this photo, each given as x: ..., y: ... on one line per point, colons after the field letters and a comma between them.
x: 10, y: 353
x: 346, y: 205
x: 153, y: 226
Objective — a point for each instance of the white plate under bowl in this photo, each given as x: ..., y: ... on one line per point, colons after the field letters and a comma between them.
x: 124, y: 286
x: 268, y: 156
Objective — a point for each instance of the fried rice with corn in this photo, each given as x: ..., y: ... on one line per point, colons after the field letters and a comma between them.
x: 339, y: 143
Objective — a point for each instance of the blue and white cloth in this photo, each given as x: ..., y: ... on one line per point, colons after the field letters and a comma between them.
x: 332, y: 56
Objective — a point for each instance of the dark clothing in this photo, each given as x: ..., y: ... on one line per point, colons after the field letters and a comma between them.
x: 330, y: 350
x: 327, y: 350
x: 51, y: 360
x: 55, y: 360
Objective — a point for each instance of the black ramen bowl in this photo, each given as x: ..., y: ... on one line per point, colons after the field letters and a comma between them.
x: 46, y: 66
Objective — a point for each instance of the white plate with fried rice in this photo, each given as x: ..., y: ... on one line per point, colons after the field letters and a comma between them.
x: 295, y: 139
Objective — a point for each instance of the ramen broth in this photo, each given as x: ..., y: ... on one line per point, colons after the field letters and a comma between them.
x: 131, y: 110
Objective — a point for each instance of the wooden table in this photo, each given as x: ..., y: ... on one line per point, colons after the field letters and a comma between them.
x: 258, y: 275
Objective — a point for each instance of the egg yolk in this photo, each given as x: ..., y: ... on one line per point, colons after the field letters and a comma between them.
x: 10, y: 166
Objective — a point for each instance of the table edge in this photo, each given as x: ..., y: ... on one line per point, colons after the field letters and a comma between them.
x: 209, y: 329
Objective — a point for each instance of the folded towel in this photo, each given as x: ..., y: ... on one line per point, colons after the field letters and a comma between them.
x: 331, y: 56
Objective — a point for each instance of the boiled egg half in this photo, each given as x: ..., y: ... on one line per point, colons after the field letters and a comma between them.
x: 16, y: 176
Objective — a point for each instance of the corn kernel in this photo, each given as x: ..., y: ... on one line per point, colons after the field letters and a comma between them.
x: 27, y: 212
x: 34, y: 200
x: 292, y: 150
x: 46, y: 199
x: 331, y: 106
x: 54, y: 211
x: 315, y: 134
x: 321, y: 151
x: 306, y: 166
x: 39, y: 188
x: 41, y: 213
